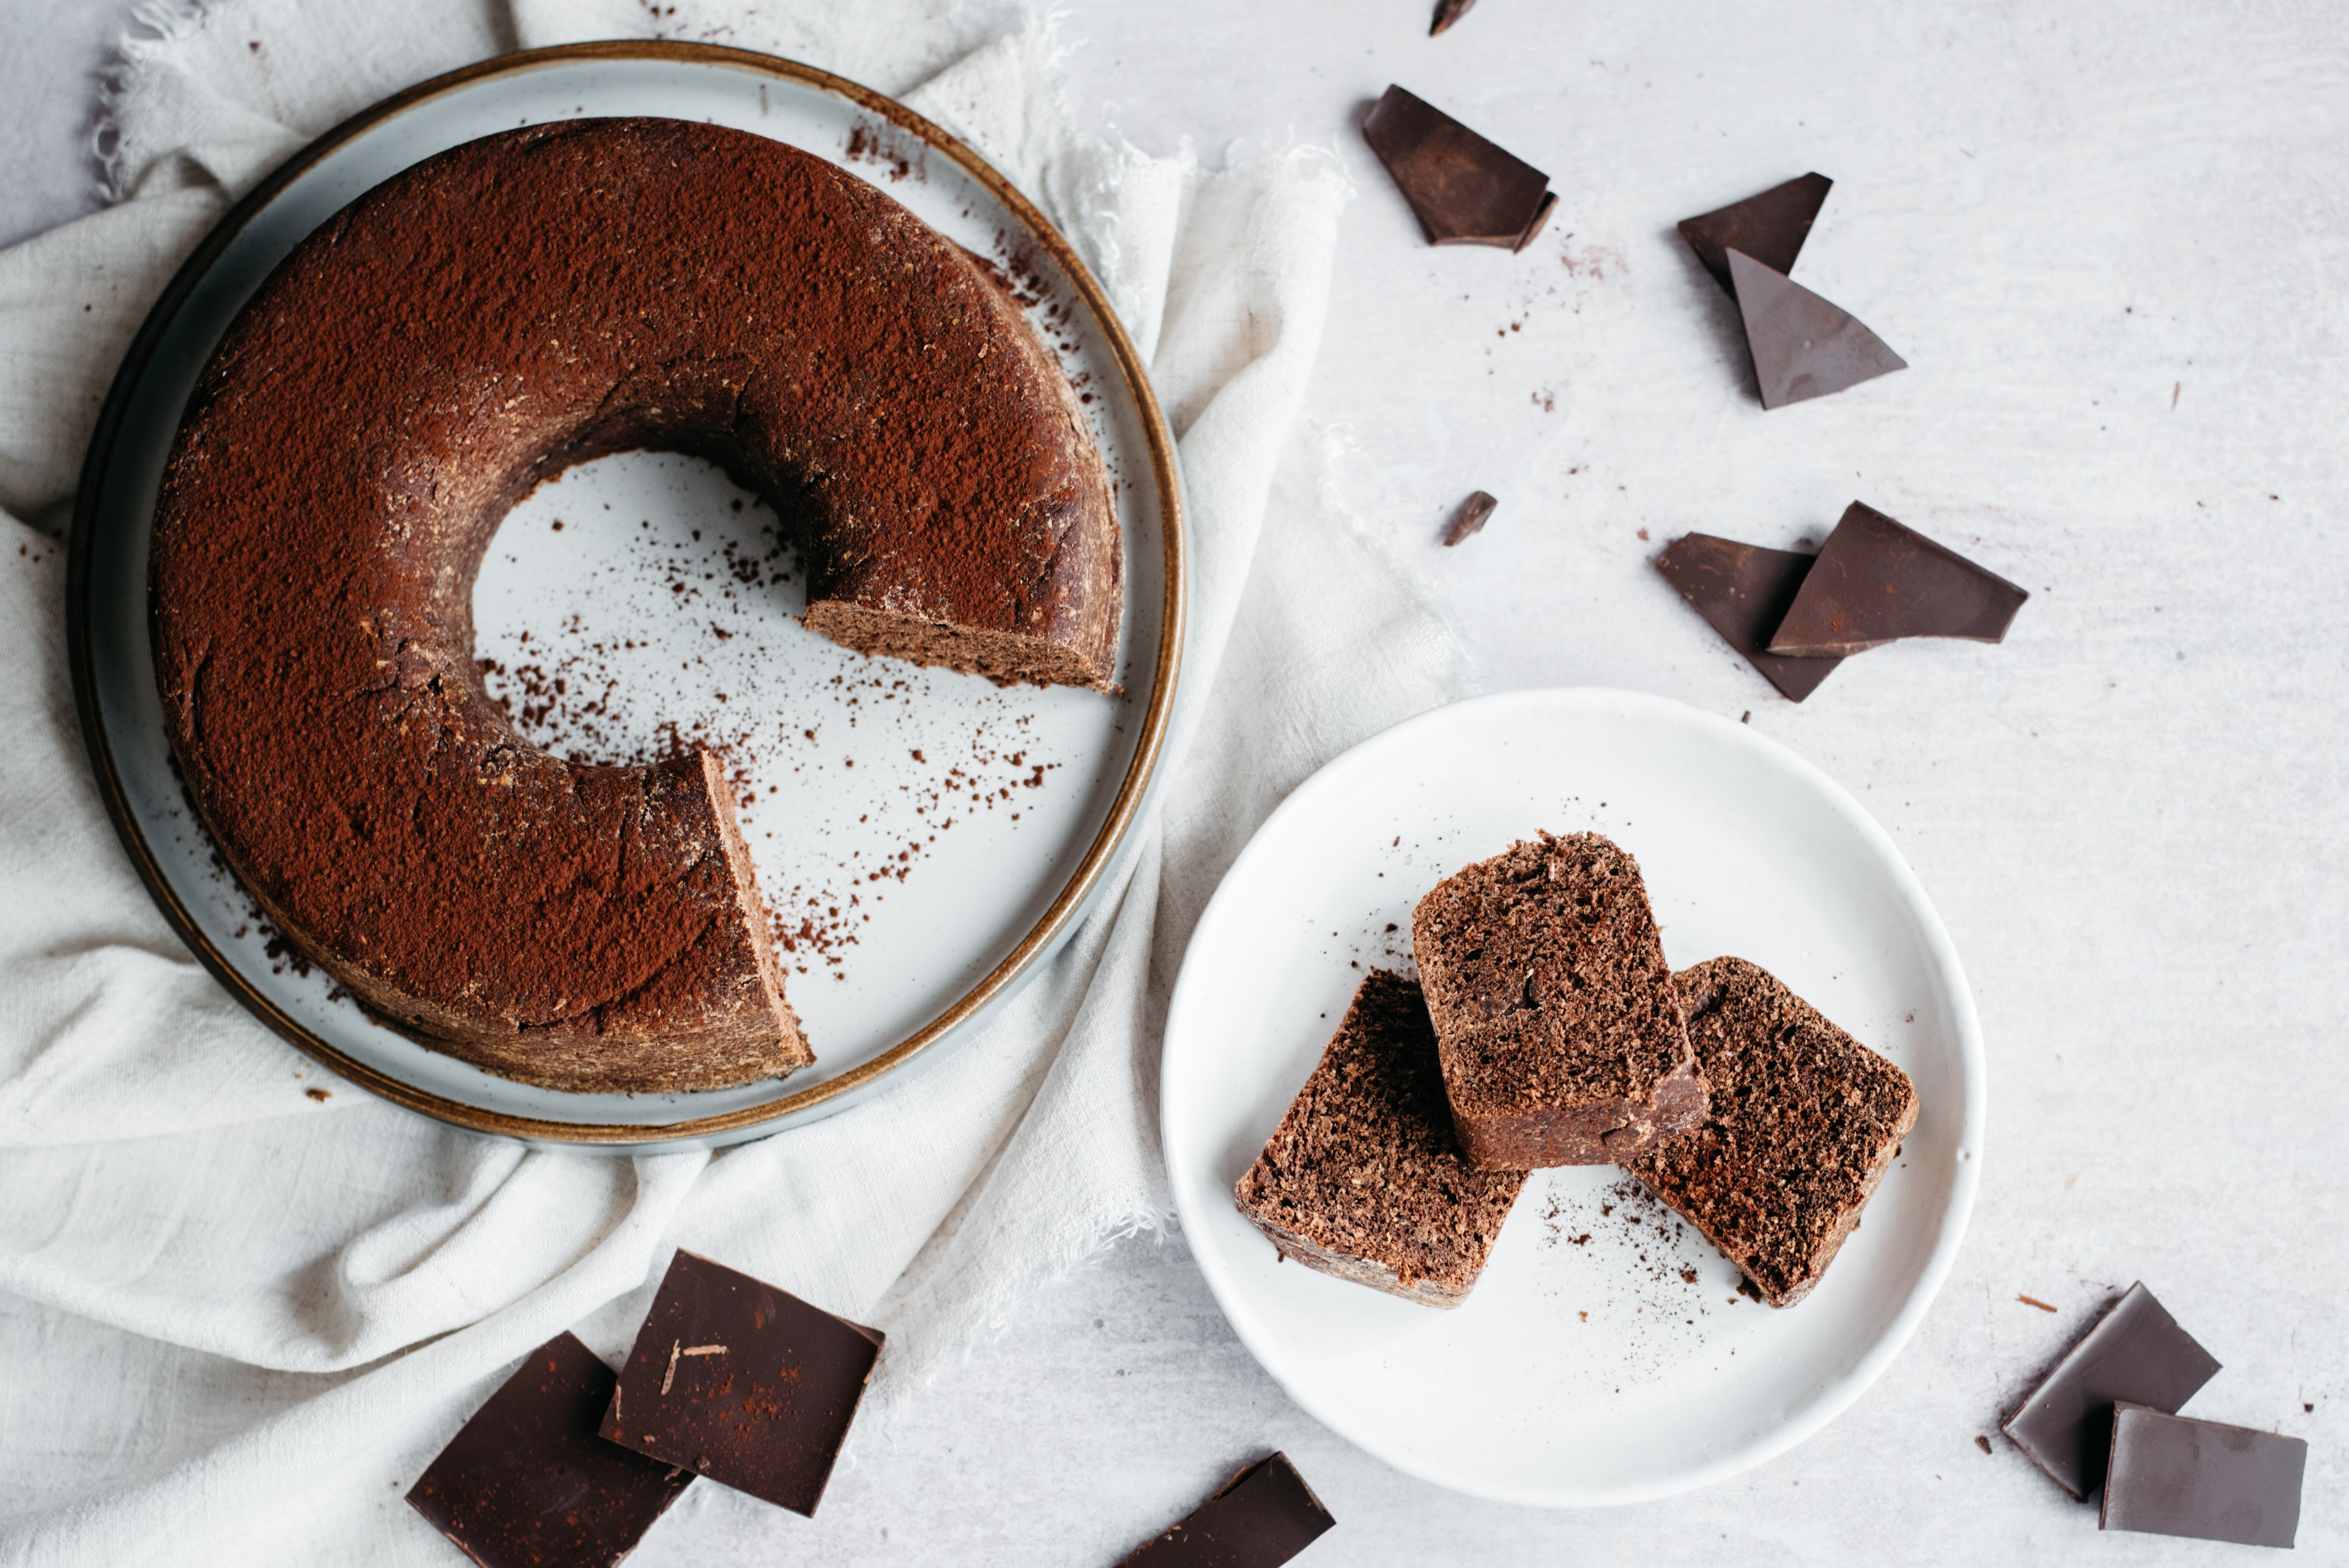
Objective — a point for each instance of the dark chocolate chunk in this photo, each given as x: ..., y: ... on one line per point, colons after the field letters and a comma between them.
x: 743, y: 1383
x: 1803, y: 346
x: 1464, y: 190
x: 1744, y: 591
x: 1261, y: 1518
x: 527, y: 1480
x: 2135, y: 1353
x: 1770, y: 228
x: 1876, y: 581
x: 1447, y: 13
x: 2172, y: 1476
x: 1470, y: 518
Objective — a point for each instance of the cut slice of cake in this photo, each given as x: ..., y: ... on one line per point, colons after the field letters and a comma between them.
x: 1804, y: 1121
x: 1562, y: 1041
x: 1363, y: 1178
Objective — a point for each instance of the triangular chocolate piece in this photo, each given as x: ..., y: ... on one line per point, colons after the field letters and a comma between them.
x: 1744, y: 591
x: 1464, y: 190
x: 1770, y: 228
x: 1876, y: 581
x: 1803, y: 346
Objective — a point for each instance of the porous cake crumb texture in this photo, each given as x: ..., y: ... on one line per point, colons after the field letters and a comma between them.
x: 1364, y: 1179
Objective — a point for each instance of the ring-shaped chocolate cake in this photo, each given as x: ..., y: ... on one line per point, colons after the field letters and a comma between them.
x: 451, y: 340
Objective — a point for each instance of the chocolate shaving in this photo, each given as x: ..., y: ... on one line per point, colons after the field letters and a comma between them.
x: 1770, y: 228
x: 1470, y: 518
x: 1261, y: 1518
x: 1803, y: 346
x: 1447, y: 13
x: 2172, y: 1476
x: 1743, y: 591
x: 1464, y: 190
x: 1876, y: 581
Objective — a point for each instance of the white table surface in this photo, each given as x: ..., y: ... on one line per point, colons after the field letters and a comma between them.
x: 2114, y: 249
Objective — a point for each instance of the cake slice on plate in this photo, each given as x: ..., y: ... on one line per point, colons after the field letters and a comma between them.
x: 1363, y: 1179
x: 1805, y: 1122
x: 1562, y: 1040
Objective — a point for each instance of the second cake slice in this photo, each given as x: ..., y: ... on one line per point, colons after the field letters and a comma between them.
x: 1561, y: 1036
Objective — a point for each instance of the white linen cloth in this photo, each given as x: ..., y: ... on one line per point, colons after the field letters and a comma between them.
x: 235, y: 1318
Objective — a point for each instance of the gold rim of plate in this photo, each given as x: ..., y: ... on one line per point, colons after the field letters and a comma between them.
x: 1038, y: 937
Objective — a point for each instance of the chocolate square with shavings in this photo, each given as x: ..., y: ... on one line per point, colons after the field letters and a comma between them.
x: 1742, y: 592
x: 743, y: 1383
x: 1464, y: 190
x: 1261, y: 1518
x: 1770, y: 228
x: 2136, y: 1353
x: 2173, y: 1476
x: 1877, y: 580
x: 528, y: 1481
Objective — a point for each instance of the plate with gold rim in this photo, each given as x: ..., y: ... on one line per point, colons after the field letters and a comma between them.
x: 924, y: 838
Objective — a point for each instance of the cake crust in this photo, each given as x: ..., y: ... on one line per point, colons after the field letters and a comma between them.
x: 452, y: 339
x: 1562, y: 1042
x: 1364, y: 1178
x: 1805, y: 1122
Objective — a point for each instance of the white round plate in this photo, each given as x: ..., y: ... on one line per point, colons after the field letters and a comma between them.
x: 1606, y: 1355
x: 924, y: 837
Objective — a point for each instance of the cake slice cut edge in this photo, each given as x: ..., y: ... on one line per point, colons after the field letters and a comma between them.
x: 1562, y: 1040
x: 1805, y: 1122
x: 1364, y: 1179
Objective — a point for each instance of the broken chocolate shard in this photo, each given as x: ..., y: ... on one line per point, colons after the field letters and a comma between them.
x: 1261, y: 1518
x: 1447, y: 13
x: 1770, y: 228
x: 2136, y: 1353
x: 1877, y: 580
x: 1803, y: 346
x: 1464, y: 189
x: 1742, y: 590
x: 529, y: 1481
x: 2173, y: 1476
x: 1470, y: 519
x: 743, y: 1382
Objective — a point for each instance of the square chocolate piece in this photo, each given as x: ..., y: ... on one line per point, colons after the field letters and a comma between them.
x: 1364, y: 1179
x: 1560, y: 1033
x: 1261, y: 1518
x: 2172, y: 1476
x: 743, y: 1383
x: 2136, y: 1353
x: 1805, y: 1122
x: 1464, y: 190
x: 527, y: 1482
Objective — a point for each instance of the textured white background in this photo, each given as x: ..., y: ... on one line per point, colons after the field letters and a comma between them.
x: 2114, y: 244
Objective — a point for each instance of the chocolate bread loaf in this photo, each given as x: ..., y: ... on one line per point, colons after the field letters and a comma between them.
x: 1561, y: 1034
x: 1363, y: 1178
x: 1804, y: 1120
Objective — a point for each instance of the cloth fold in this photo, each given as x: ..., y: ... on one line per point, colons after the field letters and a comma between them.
x: 315, y: 1288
